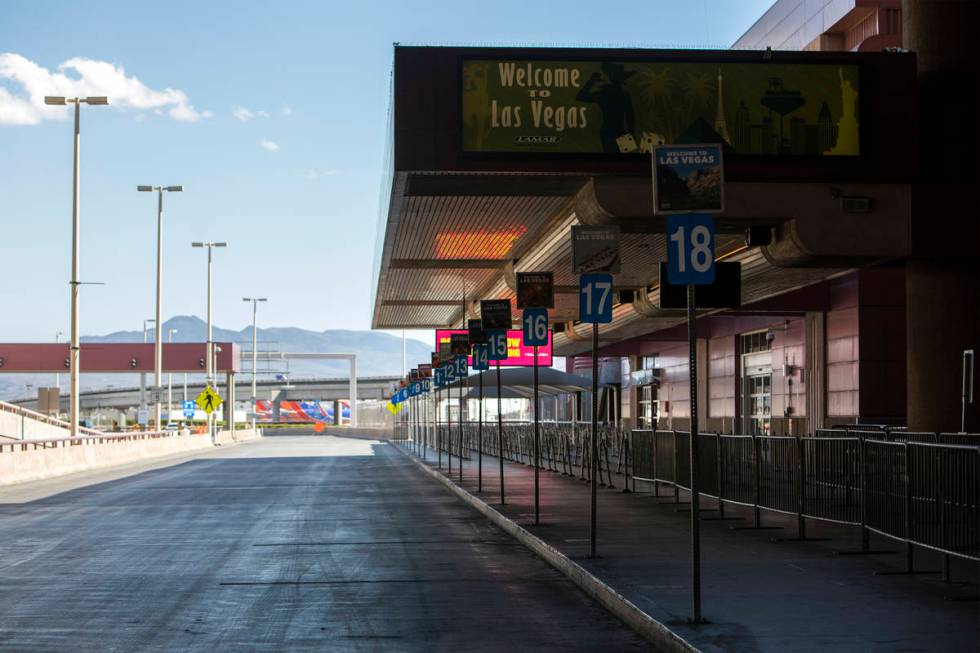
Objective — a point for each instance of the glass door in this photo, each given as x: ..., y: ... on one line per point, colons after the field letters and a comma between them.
x: 758, y: 403
x: 647, y: 406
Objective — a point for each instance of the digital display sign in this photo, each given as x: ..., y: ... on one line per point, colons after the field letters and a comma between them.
x: 518, y: 355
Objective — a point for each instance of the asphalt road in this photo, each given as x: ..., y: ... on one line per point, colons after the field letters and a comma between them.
x: 290, y: 543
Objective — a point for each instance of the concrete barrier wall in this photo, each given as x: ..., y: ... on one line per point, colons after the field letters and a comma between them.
x: 20, y: 427
x: 31, y: 462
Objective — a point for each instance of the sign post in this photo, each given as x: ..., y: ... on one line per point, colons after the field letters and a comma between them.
x: 444, y: 368
x: 688, y: 182
x: 536, y: 294
x: 425, y: 371
x: 595, y: 256
x: 437, y: 378
x: 481, y: 362
x: 459, y: 344
x: 496, y: 319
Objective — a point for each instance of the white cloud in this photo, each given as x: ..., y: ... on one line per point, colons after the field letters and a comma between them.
x: 313, y: 174
x: 80, y: 77
x: 287, y: 110
x: 269, y: 146
x: 244, y: 114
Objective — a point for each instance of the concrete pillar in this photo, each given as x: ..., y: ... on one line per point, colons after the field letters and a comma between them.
x: 943, y: 319
x: 277, y: 396
x: 815, y: 370
x: 942, y: 276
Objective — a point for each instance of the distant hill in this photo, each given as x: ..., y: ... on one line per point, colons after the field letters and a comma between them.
x: 378, y: 354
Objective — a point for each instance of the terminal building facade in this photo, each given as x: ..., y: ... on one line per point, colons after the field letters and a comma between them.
x: 852, y: 311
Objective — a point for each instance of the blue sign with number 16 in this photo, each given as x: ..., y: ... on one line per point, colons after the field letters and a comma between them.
x: 535, y: 322
x: 595, y: 298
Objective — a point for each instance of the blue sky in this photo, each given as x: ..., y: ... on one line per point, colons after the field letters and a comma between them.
x: 293, y: 187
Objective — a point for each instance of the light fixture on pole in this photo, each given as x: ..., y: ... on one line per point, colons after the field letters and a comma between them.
x: 255, y: 302
x: 73, y: 357
x: 208, y: 351
x: 158, y: 349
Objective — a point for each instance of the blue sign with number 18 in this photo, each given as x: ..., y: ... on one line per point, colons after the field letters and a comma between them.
x: 595, y: 298
x: 690, y: 250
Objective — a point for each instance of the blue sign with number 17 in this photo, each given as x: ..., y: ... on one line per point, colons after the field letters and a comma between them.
x: 595, y: 298
x: 690, y: 250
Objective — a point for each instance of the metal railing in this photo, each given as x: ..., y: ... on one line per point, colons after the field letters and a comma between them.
x: 919, y: 488
x: 566, y: 447
x: 922, y: 493
x: 99, y: 438
x: 26, y: 413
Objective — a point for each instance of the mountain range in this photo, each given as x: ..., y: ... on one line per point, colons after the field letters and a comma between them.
x: 378, y: 354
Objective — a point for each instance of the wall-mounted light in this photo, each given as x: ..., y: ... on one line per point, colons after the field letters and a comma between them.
x: 67, y: 363
x: 856, y: 204
x: 133, y: 362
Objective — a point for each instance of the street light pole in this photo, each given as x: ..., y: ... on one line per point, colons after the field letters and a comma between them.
x: 255, y: 302
x: 158, y: 349
x: 74, y: 357
x: 209, y: 353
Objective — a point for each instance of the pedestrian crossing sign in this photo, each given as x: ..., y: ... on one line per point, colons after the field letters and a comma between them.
x: 208, y: 400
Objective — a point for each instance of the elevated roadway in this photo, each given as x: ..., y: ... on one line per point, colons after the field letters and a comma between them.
x: 368, y: 388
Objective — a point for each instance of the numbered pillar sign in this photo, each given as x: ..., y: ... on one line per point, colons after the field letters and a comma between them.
x: 438, y: 377
x: 535, y: 322
x: 461, y: 367
x: 426, y: 386
x: 450, y: 375
x: 690, y: 250
x: 595, y: 298
x: 481, y: 357
x: 497, y: 341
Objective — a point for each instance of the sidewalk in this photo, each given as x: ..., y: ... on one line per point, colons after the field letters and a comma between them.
x: 758, y: 595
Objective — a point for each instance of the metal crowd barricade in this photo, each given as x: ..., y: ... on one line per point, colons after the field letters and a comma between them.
x: 923, y: 493
x: 833, y: 479
x: 919, y: 488
x: 945, y: 497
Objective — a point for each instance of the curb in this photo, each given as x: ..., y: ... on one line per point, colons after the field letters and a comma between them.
x: 646, y: 626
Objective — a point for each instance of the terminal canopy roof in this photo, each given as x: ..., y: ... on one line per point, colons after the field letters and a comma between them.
x: 496, y: 153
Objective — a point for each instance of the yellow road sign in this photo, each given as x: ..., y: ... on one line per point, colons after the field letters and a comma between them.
x: 208, y: 400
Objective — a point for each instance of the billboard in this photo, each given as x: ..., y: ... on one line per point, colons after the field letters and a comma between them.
x: 629, y: 107
x: 518, y: 355
x: 299, y: 411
